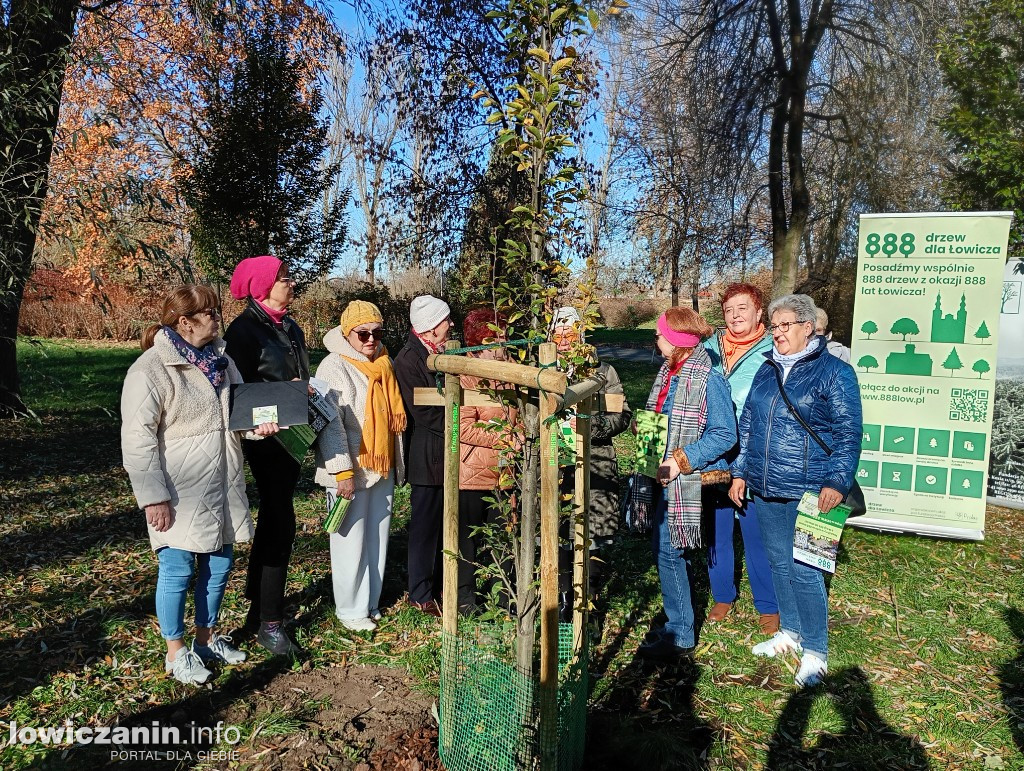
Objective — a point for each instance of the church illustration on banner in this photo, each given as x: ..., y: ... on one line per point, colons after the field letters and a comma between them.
x: 945, y: 329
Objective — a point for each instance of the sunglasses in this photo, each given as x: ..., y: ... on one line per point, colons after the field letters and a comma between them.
x: 565, y: 337
x: 211, y: 312
x: 366, y: 334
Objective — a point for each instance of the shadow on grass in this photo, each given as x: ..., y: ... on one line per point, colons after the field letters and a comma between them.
x: 66, y: 647
x: 196, y: 714
x: 40, y: 545
x: 1011, y: 678
x: 866, y: 742
x: 647, y: 717
x: 649, y: 720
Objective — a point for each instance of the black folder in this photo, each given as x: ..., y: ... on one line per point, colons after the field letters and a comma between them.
x: 249, y: 401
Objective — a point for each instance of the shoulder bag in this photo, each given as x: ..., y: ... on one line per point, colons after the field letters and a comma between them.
x: 855, y: 498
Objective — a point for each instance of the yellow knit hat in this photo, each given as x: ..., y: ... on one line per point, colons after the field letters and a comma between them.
x: 359, y: 312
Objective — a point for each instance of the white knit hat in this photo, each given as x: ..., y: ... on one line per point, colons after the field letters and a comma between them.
x: 565, y: 316
x: 426, y: 312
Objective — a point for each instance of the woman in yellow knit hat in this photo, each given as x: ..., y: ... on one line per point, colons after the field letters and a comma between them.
x: 359, y: 457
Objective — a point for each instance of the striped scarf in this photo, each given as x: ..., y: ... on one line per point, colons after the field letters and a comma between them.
x: 687, y: 421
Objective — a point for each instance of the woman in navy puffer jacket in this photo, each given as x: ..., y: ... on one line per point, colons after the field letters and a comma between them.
x: 780, y: 461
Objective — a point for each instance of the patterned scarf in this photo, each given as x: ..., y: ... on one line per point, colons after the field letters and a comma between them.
x: 205, y: 359
x: 384, y: 415
x: 687, y: 421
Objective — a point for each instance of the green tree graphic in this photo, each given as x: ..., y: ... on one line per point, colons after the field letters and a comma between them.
x: 981, y: 367
x: 867, y: 362
x: 983, y: 334
x: 869, y: 328
x: 905, y: 327
x: 952, y: 362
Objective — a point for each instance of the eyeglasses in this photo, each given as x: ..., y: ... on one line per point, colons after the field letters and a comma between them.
x: 566, y: 337
x: 784, y: 326
x: 211, y: 312
x: 286, y: 280
x: 366, y: 334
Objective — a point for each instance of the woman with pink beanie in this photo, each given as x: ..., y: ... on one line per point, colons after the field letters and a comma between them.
x: 268, y: 345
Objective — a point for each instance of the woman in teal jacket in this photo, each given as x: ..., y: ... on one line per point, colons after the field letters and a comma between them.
x: 737, y: 352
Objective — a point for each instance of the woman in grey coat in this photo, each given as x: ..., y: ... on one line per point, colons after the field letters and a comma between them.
x: 604, y: 468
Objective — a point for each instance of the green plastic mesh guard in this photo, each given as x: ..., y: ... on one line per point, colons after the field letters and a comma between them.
x: 489, y: 709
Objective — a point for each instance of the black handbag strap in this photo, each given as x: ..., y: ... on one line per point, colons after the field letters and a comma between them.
x: 796, y: 414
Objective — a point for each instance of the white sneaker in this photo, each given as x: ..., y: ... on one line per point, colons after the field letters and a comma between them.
x: 219, y: 648
x: 376, y: 615
x: 358, y: 624
x: 187, y: 668
x: 812, y: 671
x: 779, y: 643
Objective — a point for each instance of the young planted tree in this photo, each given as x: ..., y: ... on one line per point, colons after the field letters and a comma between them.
x: 536, y: 118
x: 257, y: 187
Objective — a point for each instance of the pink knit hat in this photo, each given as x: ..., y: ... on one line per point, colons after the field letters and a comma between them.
x: 254, y: 277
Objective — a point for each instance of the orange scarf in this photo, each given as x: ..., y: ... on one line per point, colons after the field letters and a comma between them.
x: 733, y: 347
x: 384, y: 415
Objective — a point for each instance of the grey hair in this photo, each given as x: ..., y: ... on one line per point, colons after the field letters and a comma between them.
x: 801, y: 304
x: 822, y: 319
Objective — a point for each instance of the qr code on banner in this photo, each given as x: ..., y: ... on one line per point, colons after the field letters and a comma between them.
x: 968, y: 404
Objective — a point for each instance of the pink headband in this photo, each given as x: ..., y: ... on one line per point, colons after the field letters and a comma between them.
x: 678, y: 339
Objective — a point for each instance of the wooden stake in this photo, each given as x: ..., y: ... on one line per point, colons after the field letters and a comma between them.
x: 549, y: 509
x: 450, y: 535
x: 581, y: 543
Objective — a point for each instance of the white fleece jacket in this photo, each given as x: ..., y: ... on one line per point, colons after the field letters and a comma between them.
x: 177, y: 447
x: 337, y: 446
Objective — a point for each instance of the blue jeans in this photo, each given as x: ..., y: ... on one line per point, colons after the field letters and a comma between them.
x: 176, y: 568
x: 722, y: 560
x: 800, y: 589
x: 673, y: 570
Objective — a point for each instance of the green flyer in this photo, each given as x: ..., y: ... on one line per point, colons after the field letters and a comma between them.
x: 651, y: 440
x: 817, y: 535
x: 925, y: 328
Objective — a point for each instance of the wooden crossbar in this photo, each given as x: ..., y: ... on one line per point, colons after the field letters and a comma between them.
x: 429, y: 397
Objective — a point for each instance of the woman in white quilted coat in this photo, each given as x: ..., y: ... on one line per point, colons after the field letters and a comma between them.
x: 186, y: 472
x: 359, y: 457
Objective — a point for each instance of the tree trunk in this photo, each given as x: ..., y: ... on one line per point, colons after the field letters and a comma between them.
x: 526, y: 559
x: 35, y: 44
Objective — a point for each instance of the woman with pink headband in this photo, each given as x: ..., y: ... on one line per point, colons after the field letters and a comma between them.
x: 701, y: 430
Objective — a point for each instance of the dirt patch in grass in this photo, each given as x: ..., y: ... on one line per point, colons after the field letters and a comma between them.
x: 339, y: 717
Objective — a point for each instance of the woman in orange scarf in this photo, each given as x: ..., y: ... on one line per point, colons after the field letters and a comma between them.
x: 359, y: 457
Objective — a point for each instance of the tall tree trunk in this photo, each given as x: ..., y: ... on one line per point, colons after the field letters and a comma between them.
x: 675, y: 281
x: 34, y: 46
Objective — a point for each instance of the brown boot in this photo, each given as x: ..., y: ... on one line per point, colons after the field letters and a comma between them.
x: 769, y: 623
x: 719, y: 611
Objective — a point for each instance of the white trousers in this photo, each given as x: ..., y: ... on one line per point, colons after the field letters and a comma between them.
x: 360, y: 548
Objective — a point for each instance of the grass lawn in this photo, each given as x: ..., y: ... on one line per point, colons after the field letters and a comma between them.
x: 926, y: 659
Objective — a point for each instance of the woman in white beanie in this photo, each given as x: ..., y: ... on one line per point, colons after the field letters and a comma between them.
x: 430, y: 318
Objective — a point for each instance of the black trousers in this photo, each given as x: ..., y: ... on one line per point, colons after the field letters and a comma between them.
x: 427, y: 504
x: 276, y: 473
x: 474, y: 512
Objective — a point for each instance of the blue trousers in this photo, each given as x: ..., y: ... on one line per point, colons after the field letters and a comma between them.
x: 176, y: 568
x: 800, y: 589
x: 722, y: 558
x: 674, y: 572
